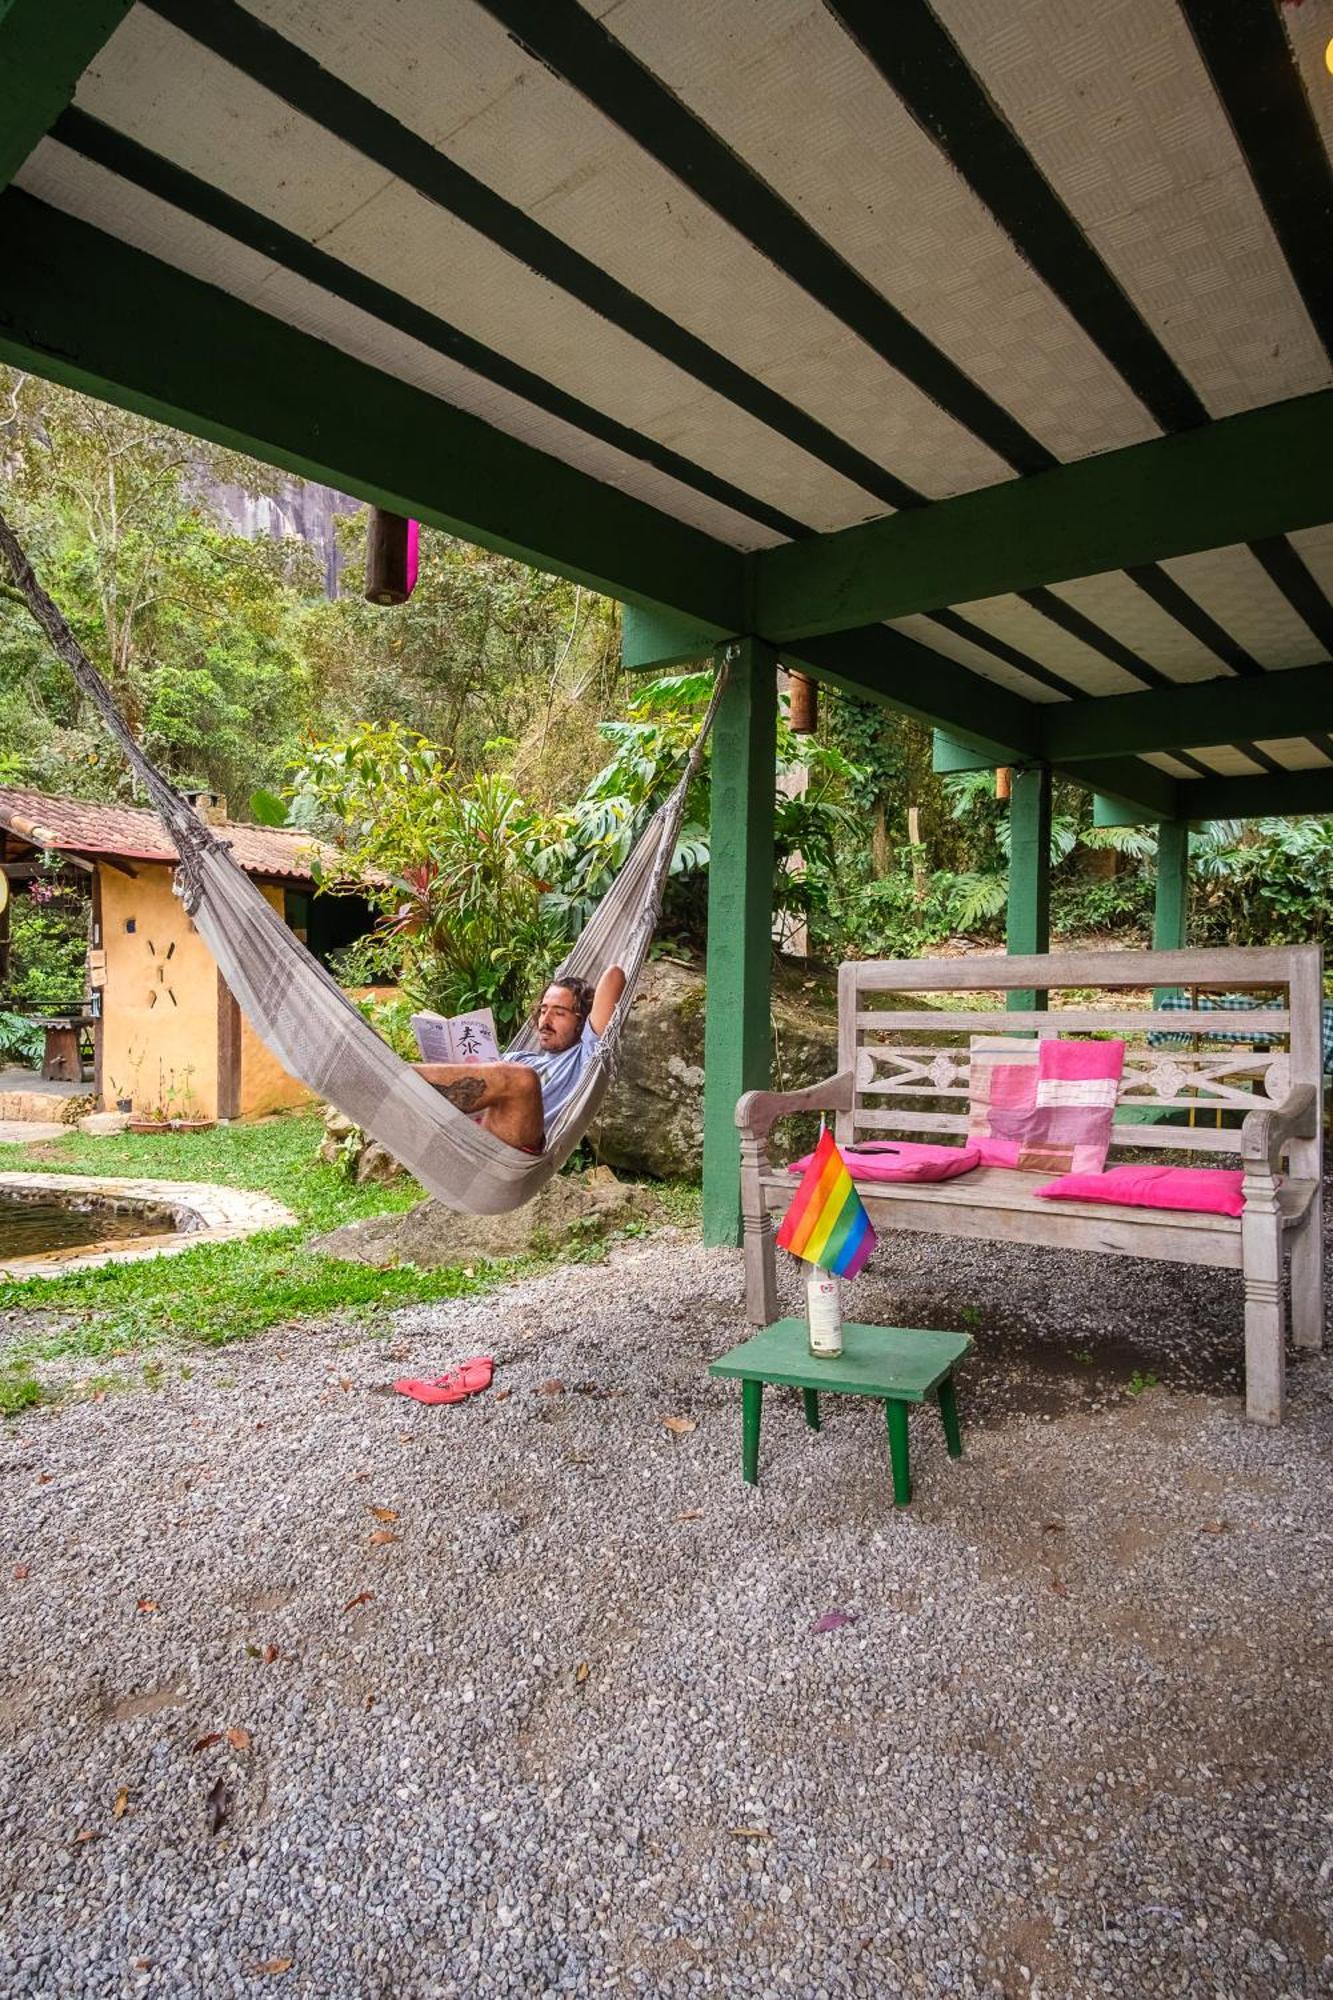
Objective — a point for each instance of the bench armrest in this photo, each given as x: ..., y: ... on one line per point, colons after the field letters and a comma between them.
x: 1264, y: 1134
x: 759, y: 1110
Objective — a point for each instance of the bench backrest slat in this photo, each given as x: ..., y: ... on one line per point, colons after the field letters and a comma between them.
x: 912, y: 1067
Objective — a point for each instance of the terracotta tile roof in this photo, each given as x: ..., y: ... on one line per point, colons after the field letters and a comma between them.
x: 133, y: 834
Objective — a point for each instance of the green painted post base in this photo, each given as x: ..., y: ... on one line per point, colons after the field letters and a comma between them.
x: 1028, y: 928
x: 811, y: 1398
x: 737, y: 1026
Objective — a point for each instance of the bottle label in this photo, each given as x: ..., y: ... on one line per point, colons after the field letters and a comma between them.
x: 824, y: 1312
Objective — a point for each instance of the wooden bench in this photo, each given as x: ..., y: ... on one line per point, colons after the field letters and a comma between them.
x: 904, y: 1071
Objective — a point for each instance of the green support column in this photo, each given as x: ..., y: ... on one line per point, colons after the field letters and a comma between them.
x: 1170, y: 921
x: 1029, y: 921
x: 737, y: 1027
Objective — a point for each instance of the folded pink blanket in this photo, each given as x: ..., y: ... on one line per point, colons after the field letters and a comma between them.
x: 887, y: 1160
x: 1044, y: 1109
x: 1210, y: 1190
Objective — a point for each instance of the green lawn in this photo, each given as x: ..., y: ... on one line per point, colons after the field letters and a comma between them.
x: 222, y: 1291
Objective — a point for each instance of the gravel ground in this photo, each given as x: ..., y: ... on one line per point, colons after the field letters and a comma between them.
x: 307, y: 1689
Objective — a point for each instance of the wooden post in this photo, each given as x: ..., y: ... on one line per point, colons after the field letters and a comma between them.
x: 1170, y: 919
x: 803, y: 714
x: 737, y: 1023
x: 1029, y: 918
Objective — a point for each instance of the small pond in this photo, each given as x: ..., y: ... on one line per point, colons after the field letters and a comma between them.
x: 31, y: 1228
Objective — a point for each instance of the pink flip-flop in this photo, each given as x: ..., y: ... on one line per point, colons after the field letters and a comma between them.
x: 468, y: 1379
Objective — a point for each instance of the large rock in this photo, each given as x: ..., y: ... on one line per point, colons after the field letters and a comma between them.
x: 571, y: 1209
x: 653, y: 1120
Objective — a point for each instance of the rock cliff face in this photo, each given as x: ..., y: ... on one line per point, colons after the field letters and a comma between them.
x: 653, y: 1119
x: 298, y: 508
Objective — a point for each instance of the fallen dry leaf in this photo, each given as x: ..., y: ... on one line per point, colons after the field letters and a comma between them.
x: 833, y: 1621
x: 691, y: 1514
x: 1052, y: 1527
x: 581, y: 1672
x: 271, y: 1654
x: 45, y: 1478
x: 554, y: 1387
x: 371, y: 1699
x: 383, y: 1535
x: 219, y: 1806
x: 121, y: 1806
x: 147, y: 1604
x: 99, y: 1395
x: 1214, y: 1527
x: 362, y: 1597
x: 274, y: 1965
x: 239, y: 1739
x: 86, y: 1833
x: 1060, y: 1588
x: 680, y: 1426
x: 22, y: 1571
x: 344, y: 1383
x: 385, y: 1513
x: 749, y: 1833
x: 207, y: 1742
x: 143, y: 1964
x: 503, y: 1395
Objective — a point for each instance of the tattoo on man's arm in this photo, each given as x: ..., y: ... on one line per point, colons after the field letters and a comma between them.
x: 466, y: 1094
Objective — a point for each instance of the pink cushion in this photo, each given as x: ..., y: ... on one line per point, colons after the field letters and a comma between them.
x: 1044, y: 1108
x: 887, y: 1160
x: 1210, y: 1190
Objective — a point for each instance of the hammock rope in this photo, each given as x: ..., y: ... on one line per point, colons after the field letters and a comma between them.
x: 318, y: 1034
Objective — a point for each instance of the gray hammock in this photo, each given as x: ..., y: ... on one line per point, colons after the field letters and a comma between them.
x: 315, y: 1030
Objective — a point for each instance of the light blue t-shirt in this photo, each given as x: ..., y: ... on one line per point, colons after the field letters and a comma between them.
x: 560, y: 1070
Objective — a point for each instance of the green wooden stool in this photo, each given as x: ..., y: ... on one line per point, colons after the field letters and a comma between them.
x: 897, y: 1364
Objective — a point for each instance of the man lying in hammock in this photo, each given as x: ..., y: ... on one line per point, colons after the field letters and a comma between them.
x: 518, y: 1098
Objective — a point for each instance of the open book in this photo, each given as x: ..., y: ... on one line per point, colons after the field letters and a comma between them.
x: 456, y: 1038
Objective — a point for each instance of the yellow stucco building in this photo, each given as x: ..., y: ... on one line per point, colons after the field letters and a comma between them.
x: 168, y: 1037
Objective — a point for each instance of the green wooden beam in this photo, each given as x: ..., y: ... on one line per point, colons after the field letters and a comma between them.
x: 1223, y: 710
x: 92, y: 312
x: 1271, y: 795
x: 1129, y: 780
x: 1116, y: 812
x: 882, y: 665
x: 738, y: 1031
x: 1028, y: 924
x: 45, y: 46
x: 651, y: 640
x: 1261, y: 473
x: 952, y: 753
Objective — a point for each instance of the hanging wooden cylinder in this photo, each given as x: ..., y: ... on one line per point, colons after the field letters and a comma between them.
x: 1003, y: 781
x: 803, y: 712
x: 391, y: 557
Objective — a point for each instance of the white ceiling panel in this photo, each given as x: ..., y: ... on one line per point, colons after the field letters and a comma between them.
x: 1164, y: 761
x: 447, y: 70
x: 1294, y: 753
x: 928, y: 633
x: 1115, y: 602
x: 1036, y: 635
x: 794, y: 96
x: 56, y: 175
x: 1115, y: 106
x: 1227, y: 761
x: 172, y: 95
x: 1233, y: 587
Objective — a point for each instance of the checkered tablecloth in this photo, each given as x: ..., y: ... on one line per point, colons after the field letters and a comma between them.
x: 1181, y: 1003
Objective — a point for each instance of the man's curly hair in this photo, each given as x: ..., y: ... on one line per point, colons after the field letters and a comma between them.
x: 580, y: 991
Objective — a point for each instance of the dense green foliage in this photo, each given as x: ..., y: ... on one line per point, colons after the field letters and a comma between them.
x: 477, y: 753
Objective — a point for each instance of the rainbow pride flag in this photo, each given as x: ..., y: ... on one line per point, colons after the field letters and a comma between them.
x: 826, y: 1223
